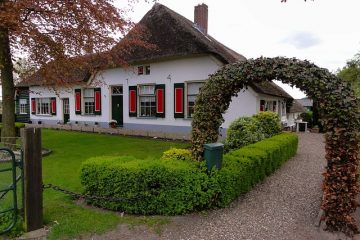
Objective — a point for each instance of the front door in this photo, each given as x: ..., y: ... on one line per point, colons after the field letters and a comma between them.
x: 117, y: 104
x: 66, y: 110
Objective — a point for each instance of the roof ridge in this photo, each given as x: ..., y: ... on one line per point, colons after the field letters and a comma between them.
x: 206, y: 39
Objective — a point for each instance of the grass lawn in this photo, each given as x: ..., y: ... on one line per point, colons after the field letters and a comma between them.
x: 66, y: 218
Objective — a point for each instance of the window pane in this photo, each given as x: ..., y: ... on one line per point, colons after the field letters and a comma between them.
x: 147, y: 90
x: 117, y: 90
x: 190, y: 105
x: 194, y: 88
x: 89, y: 107
x: 147, y: 106
x: 88, y: 100
x: 42, y: 106
x: 89, y: 92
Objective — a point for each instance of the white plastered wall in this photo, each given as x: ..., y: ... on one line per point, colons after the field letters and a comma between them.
x: 166, y: 72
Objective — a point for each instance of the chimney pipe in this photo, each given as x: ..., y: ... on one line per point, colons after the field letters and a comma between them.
x: 201, y: 17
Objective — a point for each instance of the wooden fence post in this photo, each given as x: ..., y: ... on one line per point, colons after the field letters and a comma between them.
x: 33, y: 197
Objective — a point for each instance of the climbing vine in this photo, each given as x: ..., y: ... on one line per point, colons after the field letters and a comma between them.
x: 338, y: 110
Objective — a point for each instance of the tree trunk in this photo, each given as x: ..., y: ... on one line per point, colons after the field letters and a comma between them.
x: 8, y: 92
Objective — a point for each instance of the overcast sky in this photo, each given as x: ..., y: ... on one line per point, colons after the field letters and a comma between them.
x: 325, y: 32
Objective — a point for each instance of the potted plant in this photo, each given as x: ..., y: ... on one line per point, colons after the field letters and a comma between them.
x: 113, y: 123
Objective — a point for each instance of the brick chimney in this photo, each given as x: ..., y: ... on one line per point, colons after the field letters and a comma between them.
x: 201, y: 17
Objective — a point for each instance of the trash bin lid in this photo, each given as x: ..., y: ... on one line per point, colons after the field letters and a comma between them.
x: 213, y: 146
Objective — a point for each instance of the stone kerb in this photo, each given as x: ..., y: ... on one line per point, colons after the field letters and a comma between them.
x: 115, y: 131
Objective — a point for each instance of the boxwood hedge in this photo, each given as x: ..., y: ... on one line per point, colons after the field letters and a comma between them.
x: 244, y: 167
x: 162, y: 186
x: 170, y: 186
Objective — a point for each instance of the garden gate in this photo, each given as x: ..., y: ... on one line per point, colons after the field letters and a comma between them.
x: 11, y: 172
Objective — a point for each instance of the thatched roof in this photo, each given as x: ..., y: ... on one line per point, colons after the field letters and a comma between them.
x: 176, y: 36
x: 306, y: 102
x: 270, y: 88
x: 296, y: 107
x: 172, y: 35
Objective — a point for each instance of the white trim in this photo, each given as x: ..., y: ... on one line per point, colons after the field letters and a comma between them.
x: 186, y: 116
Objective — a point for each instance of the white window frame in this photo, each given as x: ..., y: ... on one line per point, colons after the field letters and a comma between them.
x: 187, y: 88
x: 88, y: 109
x: 269, y: 105
x: 283, y: 108
x: 23, y: 106
x: 66, y: 106
x: 41, y: 106
x: 150, y: 97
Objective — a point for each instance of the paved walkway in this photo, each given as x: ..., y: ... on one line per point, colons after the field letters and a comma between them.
x: 284, y: 206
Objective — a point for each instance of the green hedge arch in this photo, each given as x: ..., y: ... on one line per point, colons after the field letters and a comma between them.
x: 338, y: 110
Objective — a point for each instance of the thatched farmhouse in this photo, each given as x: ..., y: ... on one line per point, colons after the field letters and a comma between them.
x: 157, y: 90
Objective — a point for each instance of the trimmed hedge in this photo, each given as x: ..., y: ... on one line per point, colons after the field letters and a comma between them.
x: 177, y: 154
x: 171, y: 186
x: 164, y: 186
x: 245, y: 167
x: 17, y: 125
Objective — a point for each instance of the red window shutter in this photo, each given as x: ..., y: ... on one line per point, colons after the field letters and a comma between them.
x: 132, y: 101
x: 33, y: 106
x: 77, y: 101
x: 97, y: 92
x: 53, y: 106
x: 160, y: 100
x: 179, y: 100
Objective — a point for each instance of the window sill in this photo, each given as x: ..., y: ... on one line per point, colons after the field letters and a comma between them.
x: 139, y: 117
x: 43, y: 115
x: 89, y: 115
x: 23, y: 113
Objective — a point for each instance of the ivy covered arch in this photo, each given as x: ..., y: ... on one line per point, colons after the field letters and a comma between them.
x: 338, y: 110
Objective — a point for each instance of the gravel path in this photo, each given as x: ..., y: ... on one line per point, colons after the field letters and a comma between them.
x: 284, y: 206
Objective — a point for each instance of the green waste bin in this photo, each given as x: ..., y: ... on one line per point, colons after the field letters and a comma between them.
x: 213, y: 154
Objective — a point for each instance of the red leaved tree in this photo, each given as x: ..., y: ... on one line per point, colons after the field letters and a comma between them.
x: 56, y: 33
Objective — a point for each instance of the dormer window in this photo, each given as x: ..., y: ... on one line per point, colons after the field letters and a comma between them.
x: 147, y: 70
x: 144, y: 70
x: 140, y: 70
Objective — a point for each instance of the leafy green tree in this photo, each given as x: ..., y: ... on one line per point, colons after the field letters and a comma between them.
x: 351, y: 72
x: 56, y: 32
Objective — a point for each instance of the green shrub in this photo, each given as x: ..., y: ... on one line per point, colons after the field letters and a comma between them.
x: 177, y: 154
x: 242, y: 168
x: 164, y: 186
x: 168, y: 187
x: 308, y: 117
x: 269, y: 122
x: 241, y: 132
x: 17, y: 125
